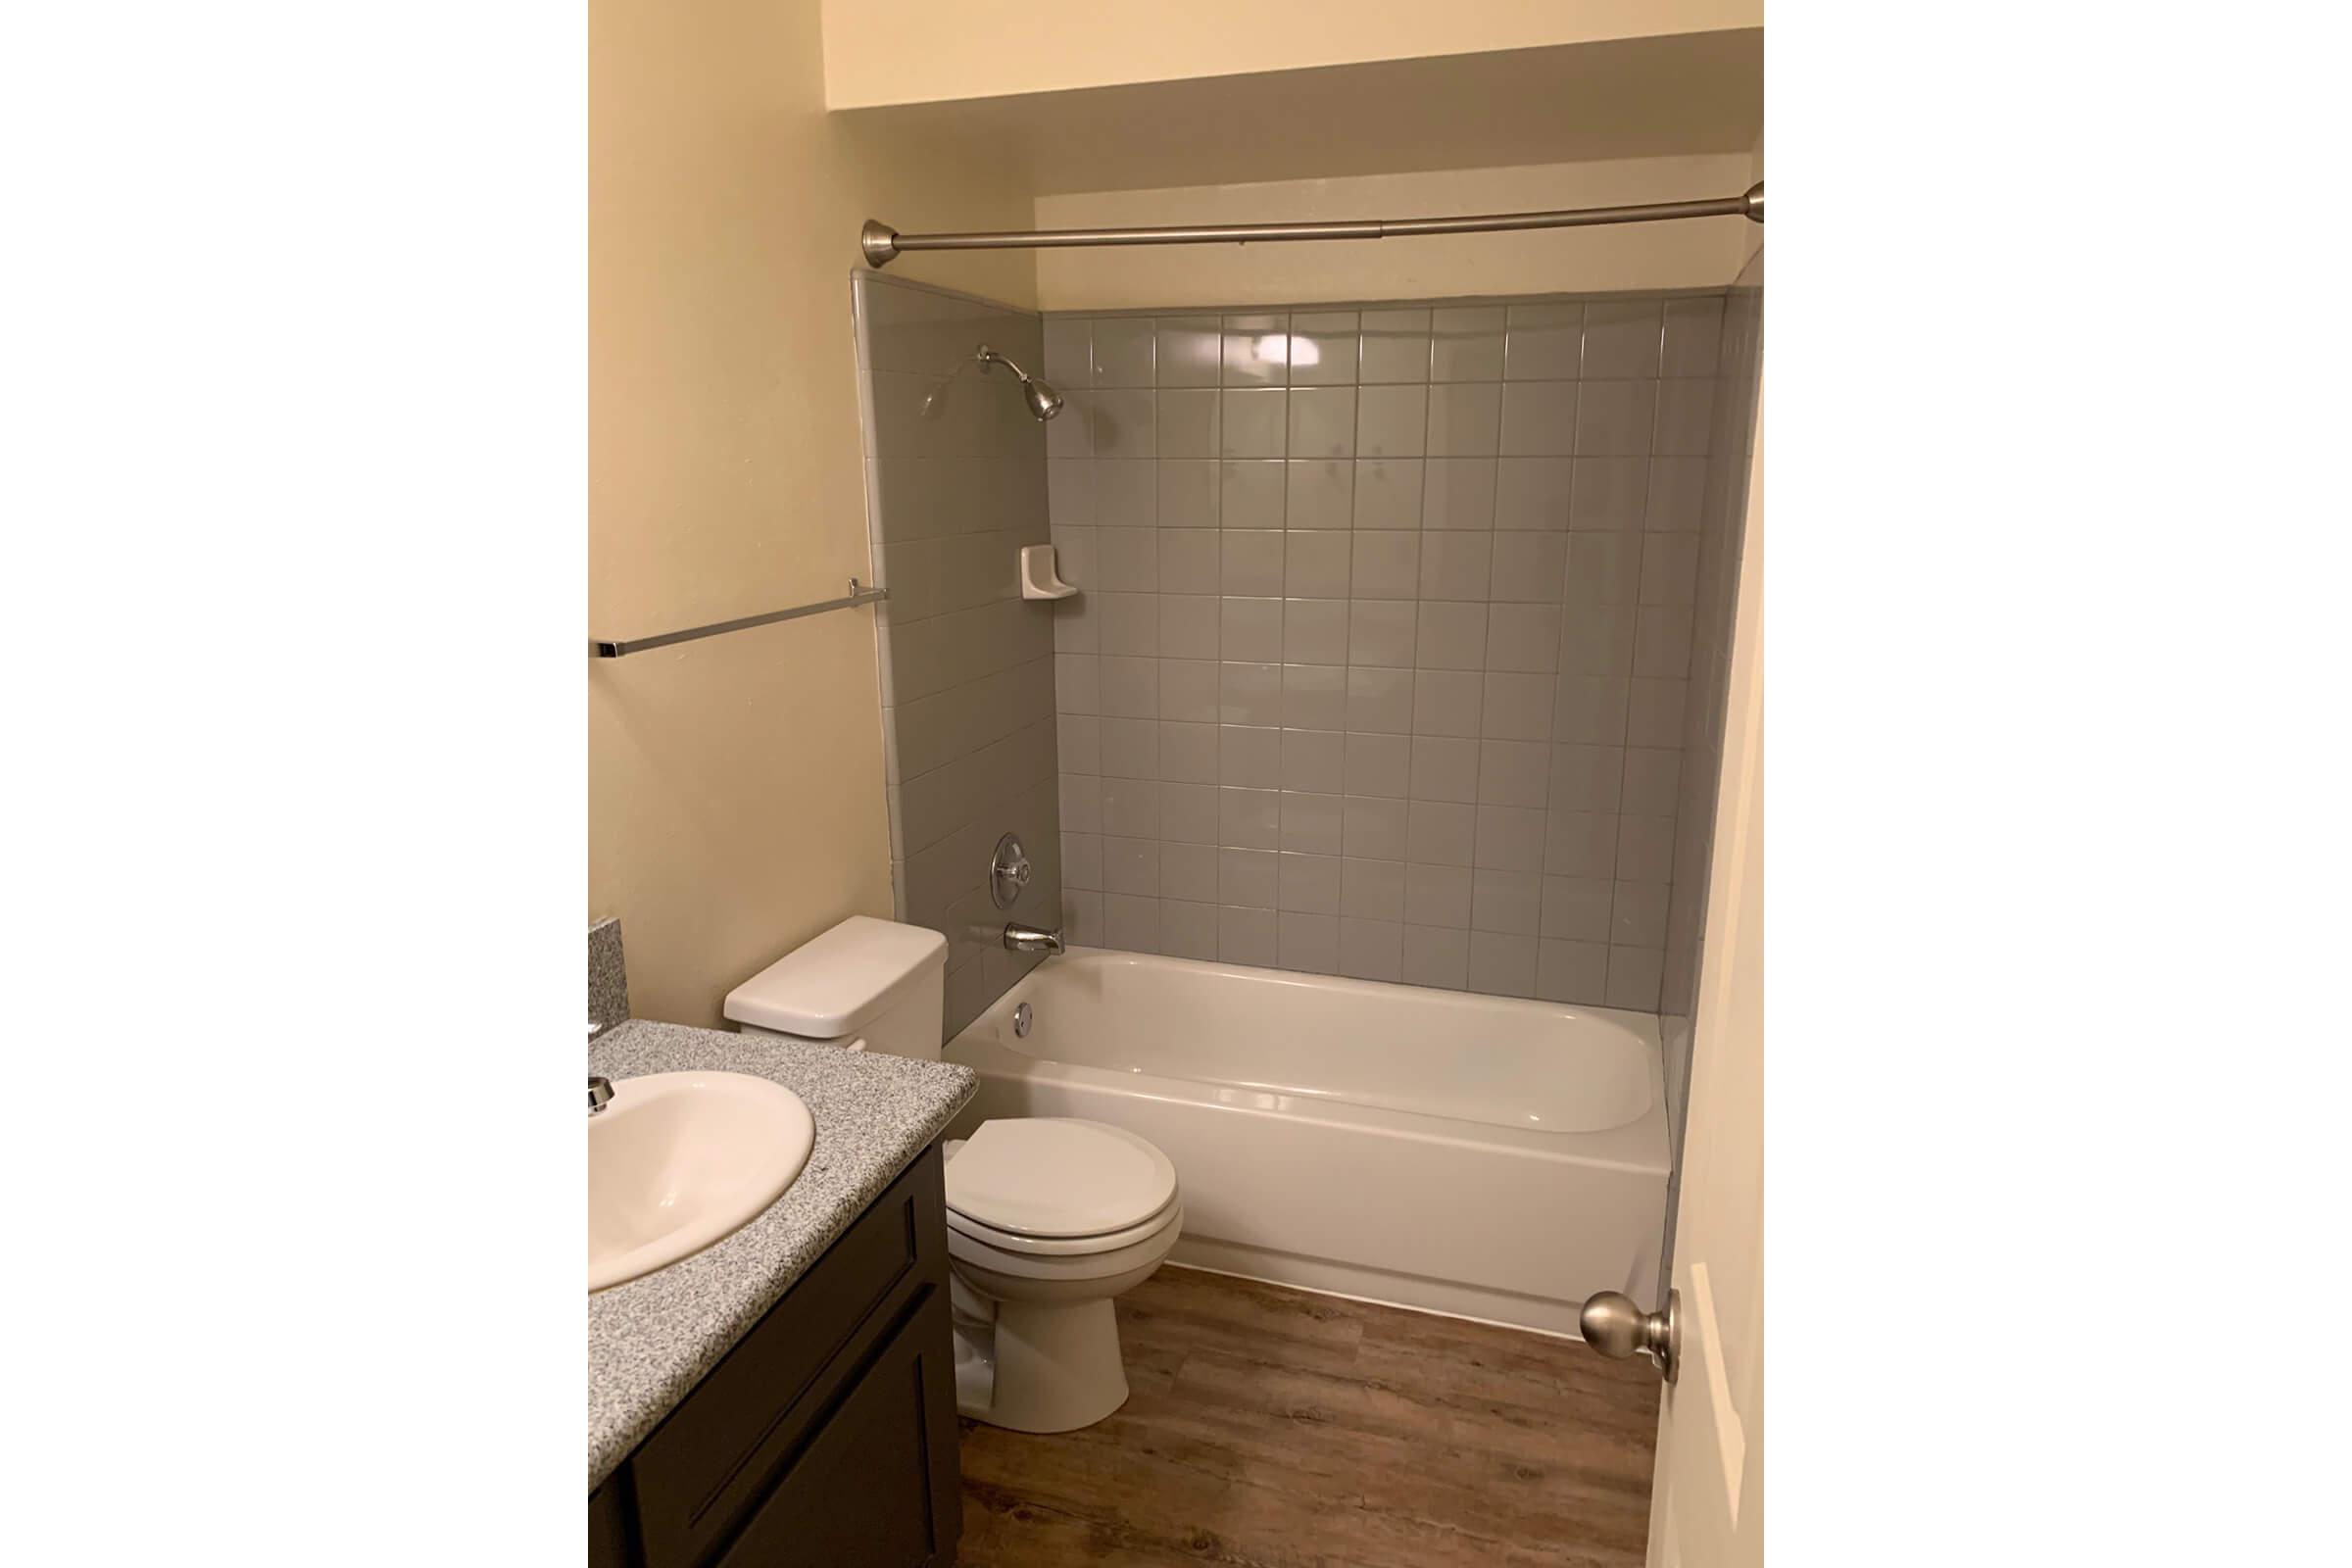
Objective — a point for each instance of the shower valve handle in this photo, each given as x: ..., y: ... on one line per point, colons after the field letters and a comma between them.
x: 1008, y: 871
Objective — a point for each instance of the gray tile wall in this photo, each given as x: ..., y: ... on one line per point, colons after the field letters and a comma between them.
x: 956, y: 485
x: 1723, y: 515
x: 1381, y: 663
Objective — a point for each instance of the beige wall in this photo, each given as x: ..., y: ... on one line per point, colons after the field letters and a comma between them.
x: 735, y: 785
x: 1695, y: 254
x: 1755, y: 176
x: 985, y: 48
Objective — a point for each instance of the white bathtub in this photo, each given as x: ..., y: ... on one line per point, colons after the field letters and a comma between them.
x: 1478, y: 1156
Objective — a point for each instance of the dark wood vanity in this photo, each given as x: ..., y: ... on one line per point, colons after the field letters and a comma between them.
x: 827, y: 1436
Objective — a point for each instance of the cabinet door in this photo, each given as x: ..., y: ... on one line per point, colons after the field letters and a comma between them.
x: 609, y: 1524
x: 709, y: 1463
x: 877, y: 1486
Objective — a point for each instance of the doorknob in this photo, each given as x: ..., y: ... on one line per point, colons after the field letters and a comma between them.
x: 1615, y: 1327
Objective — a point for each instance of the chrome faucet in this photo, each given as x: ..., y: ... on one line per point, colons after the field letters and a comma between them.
x: 600, y: 1091
x: 1029, y: 939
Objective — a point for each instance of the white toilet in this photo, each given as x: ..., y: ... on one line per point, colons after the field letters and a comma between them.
x: 1048, y: 1219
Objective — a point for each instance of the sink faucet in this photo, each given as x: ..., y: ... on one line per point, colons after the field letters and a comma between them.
x: 600, y: 1091
x: 1029, y: 939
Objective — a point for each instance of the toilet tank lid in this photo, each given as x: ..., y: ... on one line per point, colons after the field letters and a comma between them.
x: 838, y: 983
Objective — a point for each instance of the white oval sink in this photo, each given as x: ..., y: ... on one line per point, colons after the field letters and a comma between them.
x: 678, y: 1160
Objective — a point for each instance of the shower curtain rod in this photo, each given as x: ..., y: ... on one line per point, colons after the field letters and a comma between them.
x: 883, y: 244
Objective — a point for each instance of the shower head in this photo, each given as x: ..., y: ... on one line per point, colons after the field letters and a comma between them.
x: 1044, y: 402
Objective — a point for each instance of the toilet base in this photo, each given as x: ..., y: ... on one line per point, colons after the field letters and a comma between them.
x: 1041, y: 1366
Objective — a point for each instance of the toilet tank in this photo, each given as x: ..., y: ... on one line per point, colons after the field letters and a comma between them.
x: 866, y: 980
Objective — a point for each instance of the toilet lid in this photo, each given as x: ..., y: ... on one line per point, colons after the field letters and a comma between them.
x: 1058, y: 1176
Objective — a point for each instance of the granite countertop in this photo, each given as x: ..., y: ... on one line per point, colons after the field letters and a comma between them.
x: 651, y: 1339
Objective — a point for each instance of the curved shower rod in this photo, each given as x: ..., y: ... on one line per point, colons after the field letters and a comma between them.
x: 883, y: 244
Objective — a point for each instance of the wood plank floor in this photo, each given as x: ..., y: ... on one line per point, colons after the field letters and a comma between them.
x: 1271, y: 1428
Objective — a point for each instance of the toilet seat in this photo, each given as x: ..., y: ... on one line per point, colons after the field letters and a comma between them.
x: 1058, y: 1186
x: 1063, y: 1246
x: 1105, y: 1257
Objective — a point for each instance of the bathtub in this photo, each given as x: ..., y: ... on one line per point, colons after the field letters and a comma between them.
x: 1476, y: 1155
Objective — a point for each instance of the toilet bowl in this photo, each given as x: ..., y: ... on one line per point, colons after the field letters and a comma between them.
x: 1048, y: 1219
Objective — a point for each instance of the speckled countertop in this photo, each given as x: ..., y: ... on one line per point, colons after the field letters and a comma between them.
x: 651, y: 1341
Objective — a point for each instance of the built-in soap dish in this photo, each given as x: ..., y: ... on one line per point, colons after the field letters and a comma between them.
x: 1040, y: 574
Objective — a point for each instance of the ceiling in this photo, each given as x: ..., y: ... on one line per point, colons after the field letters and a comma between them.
x: 1626, y: 98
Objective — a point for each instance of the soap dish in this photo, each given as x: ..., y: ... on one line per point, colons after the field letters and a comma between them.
x: 1041, y: 576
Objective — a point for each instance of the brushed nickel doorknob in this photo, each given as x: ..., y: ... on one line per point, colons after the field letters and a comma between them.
x: 1615, y: 1326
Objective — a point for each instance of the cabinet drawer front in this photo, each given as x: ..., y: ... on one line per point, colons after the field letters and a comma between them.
x: 866, y: 1493
x: 719, y: 1450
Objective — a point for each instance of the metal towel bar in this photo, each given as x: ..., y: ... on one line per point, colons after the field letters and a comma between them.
x: 602, y: 647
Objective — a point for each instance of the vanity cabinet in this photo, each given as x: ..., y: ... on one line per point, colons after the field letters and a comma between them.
x: 828, y: 1435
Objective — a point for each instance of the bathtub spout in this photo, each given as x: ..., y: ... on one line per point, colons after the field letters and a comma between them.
x: 1028, y: 938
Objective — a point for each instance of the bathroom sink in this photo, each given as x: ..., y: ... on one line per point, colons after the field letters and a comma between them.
x: 678, y: 1160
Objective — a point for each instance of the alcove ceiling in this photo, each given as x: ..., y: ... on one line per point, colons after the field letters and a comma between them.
x: 1684, y: 94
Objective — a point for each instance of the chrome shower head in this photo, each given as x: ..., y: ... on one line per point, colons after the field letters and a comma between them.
x: 1044, y: 402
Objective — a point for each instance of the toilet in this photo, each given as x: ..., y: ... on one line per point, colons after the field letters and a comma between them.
x: 1050, y: 1218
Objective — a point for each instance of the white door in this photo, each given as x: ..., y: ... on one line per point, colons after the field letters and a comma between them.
x: 1706, y: 1499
